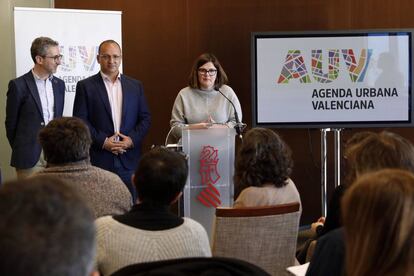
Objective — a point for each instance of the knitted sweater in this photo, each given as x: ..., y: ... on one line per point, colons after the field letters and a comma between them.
x: 268, y: 195
x: 119, y: 245
x: 194, y: 106
x: 102, y: 190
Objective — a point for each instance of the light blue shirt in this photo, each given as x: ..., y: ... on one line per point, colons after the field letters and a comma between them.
x: 47, y: 99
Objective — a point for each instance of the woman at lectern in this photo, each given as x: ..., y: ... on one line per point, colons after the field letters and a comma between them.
x: 207, y: 101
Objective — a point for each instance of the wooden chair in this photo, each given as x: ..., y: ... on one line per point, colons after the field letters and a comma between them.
x: 265, y: 236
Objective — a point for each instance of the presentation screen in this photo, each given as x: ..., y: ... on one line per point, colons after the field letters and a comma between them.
x: 332, y: 79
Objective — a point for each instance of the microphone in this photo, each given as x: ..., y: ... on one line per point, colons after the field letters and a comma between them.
x: 238, y: 125
x: 170, y: 131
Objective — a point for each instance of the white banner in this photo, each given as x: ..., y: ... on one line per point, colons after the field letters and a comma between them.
x: 333, y: 78
x: 79, y: 33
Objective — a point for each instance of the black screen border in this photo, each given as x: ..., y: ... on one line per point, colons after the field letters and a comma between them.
x: 329, y: 124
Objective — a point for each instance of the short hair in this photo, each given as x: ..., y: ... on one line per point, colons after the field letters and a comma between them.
x: 65, y: 140
x: 378, y: 218
x: 221, y: 77
x: 109, y: 41
x: 374, y: 151
x: 160, y: 176
x: 263, y: 158
x: 40, y: 46
x: 46, y: 229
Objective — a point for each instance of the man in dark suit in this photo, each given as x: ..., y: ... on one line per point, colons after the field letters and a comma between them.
x: 33, y: 100
x: 115, y: 110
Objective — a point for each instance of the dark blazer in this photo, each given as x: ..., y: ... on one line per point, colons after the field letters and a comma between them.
x: 329, y: 255
x: 24, y: 118
x: 92, y: 106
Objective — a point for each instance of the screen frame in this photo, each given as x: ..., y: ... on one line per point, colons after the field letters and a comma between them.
x: 328, y: 124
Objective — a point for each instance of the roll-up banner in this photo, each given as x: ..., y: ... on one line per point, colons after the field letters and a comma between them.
x: 79, y: 33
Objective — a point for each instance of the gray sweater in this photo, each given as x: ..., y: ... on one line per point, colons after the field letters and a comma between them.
x: 119, y: 245
x: 194, y: 106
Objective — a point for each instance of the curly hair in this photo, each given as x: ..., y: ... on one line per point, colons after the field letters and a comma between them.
x: 263, y: 158
x: 65, y: 140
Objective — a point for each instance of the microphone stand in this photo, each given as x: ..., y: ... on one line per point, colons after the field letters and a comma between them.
x: 239, y: 125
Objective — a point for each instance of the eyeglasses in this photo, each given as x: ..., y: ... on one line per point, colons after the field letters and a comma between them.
x: 56, y: 58
x: 108, y: 57
x: 210, y: 72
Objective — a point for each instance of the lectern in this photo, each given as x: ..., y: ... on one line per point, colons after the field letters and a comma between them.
x: 211, y: 167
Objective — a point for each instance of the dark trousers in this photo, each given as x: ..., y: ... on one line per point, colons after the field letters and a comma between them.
x: 125, y: 174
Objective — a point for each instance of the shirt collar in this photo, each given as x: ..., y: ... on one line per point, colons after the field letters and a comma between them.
x: 38, y: 78
x: 105, y: 77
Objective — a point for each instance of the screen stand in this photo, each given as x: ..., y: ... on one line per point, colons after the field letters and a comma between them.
x: 324, y: 164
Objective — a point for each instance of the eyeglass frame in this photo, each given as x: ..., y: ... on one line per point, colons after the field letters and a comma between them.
x: 56, y: 58
x: 108, y: 57
x: 210, y: 72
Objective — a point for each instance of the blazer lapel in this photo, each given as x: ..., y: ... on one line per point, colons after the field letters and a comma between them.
x: 30, y: 81
x: 56, y: 96
x: 103, y: 94
x: 125, y: 98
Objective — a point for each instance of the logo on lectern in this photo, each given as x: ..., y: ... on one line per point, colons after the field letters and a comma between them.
x: 209, y: 196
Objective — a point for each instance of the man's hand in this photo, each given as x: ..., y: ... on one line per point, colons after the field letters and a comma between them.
x: 125, y: 141
x: 113, y: 144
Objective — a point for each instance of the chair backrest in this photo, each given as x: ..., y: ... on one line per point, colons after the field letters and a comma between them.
x: 193, y: 266
x: 265, y: 236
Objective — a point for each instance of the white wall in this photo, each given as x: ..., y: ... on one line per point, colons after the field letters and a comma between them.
x: 7, y: 70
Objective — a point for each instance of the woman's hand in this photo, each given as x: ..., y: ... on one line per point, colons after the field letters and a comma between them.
x: 319, y: 222
x: 200, y: 126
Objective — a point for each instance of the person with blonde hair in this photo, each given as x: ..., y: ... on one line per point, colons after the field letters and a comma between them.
x: 379, y: 224
x: 368, y: 153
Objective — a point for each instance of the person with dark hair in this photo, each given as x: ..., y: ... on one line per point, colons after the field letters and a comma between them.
x: 114, y: 107
x: 262, y: 172
x: 66, y: 142
x: 46, y: 229
x: 200, y: 104
x: 365, y: 153
x: 379, y: 224
x: 33, y: 100
x: 149, y: 232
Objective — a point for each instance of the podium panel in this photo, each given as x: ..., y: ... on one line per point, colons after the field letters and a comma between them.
x: 211, y: 168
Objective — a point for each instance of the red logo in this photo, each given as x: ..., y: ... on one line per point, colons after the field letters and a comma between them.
x: 209, y: 196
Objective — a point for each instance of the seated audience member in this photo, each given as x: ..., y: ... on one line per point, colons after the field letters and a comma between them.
x: 66, y: 142
x: 149, y: 232
x: 379, y: 224
x: 46, y: 229
x: 262, y: 171
x: 332, y: 220
x: 375, y: 152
